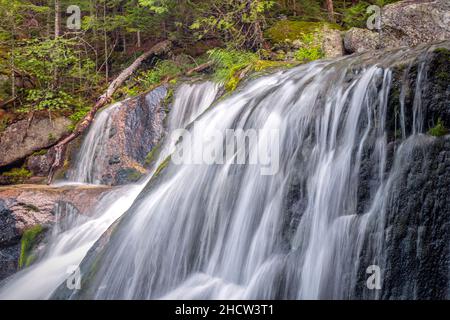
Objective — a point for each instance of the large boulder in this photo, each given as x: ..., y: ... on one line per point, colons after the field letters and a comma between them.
x: 32, y: 209
x: 290, y: 36
x: 130, y: 131
x: 404, y: 23
x: 23, y: 138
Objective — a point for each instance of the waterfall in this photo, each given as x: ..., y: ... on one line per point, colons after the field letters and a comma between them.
x: 91, y: 157
x: 190, y: 100
x: 73, y: 235
x: 226, y: 231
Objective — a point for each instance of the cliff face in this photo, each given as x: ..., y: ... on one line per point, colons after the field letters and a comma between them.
x: 416, y: 253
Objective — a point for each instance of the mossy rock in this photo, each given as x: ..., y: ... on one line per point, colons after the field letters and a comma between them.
x: 127, y: 175
x: 162, y: 166
x: 287, y: 30
x: 28, y: 242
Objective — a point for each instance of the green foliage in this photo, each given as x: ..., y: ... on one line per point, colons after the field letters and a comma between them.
x: 228, y: 63
x: 310, y: 50
x: 357, y: 15
x: 157, y: 6
x: 79, y: 113
x: 57, y: 72
x: 438, y: 130
x: 238, y: 23
x: 162, y: 69
x: 17, y: 175
x: 27, y: 243
x: 37, y: 99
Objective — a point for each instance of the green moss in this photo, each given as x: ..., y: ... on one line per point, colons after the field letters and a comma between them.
x: 4, y: 122
x: 162, y: 166
x: 17, y: 175
x: 40, y: 152
x: 27, y: 244
x: 438, y: 130
x: 168, y: 99
x: 31, y: 207
x: 51, y: 137
x: 292, y: 30
x: 151, y: 156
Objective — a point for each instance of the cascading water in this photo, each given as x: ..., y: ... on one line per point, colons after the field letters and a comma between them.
x: 310, y: 230
x: 74, y: 235
x: 190, y: 101
x: 91, y: 157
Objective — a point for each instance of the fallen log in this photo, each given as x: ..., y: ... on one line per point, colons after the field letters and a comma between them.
x: 105, y: 98
x: 199, y: 68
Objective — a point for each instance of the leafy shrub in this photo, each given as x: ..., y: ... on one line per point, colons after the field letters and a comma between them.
x: 17, y: 175
x: 162, y: 69
x: 39, y: 99
x: 310, y: 50
x: 228, y: 62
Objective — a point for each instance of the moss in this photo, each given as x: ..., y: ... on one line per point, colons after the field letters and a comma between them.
x: 232, y: 83
x: 51, y: 137
x: 31, y: 207
x: 438, y: 130
x: 292, y: 30
x: 40, y: 152
x: 168, y: 99
x: 4, y: 122
x: 17, y: 175
x: 151, y: 156
x: 262, y: 65
x: 27, y: 244
x: 134, y: 176
x: 162, y: 166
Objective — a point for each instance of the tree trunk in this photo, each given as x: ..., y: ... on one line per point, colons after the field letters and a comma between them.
x: 105, y: 39
x: 105, y: 98
x: 57, y: 18
x: 138, y: 35
x: 330, y: 10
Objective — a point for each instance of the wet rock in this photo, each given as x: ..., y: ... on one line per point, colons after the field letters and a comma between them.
x: 39, y: 164
x: 137, y: 126
x: 115, y: 159
x: 127, y: 175
x: 20, y: 140
x: 405, y: 23
x: 27, y: 206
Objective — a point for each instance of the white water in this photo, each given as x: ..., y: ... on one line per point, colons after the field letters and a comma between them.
x: 91, y: 157
x: 226, y: 232
x: 71, y: 240
x: 222, y: 231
